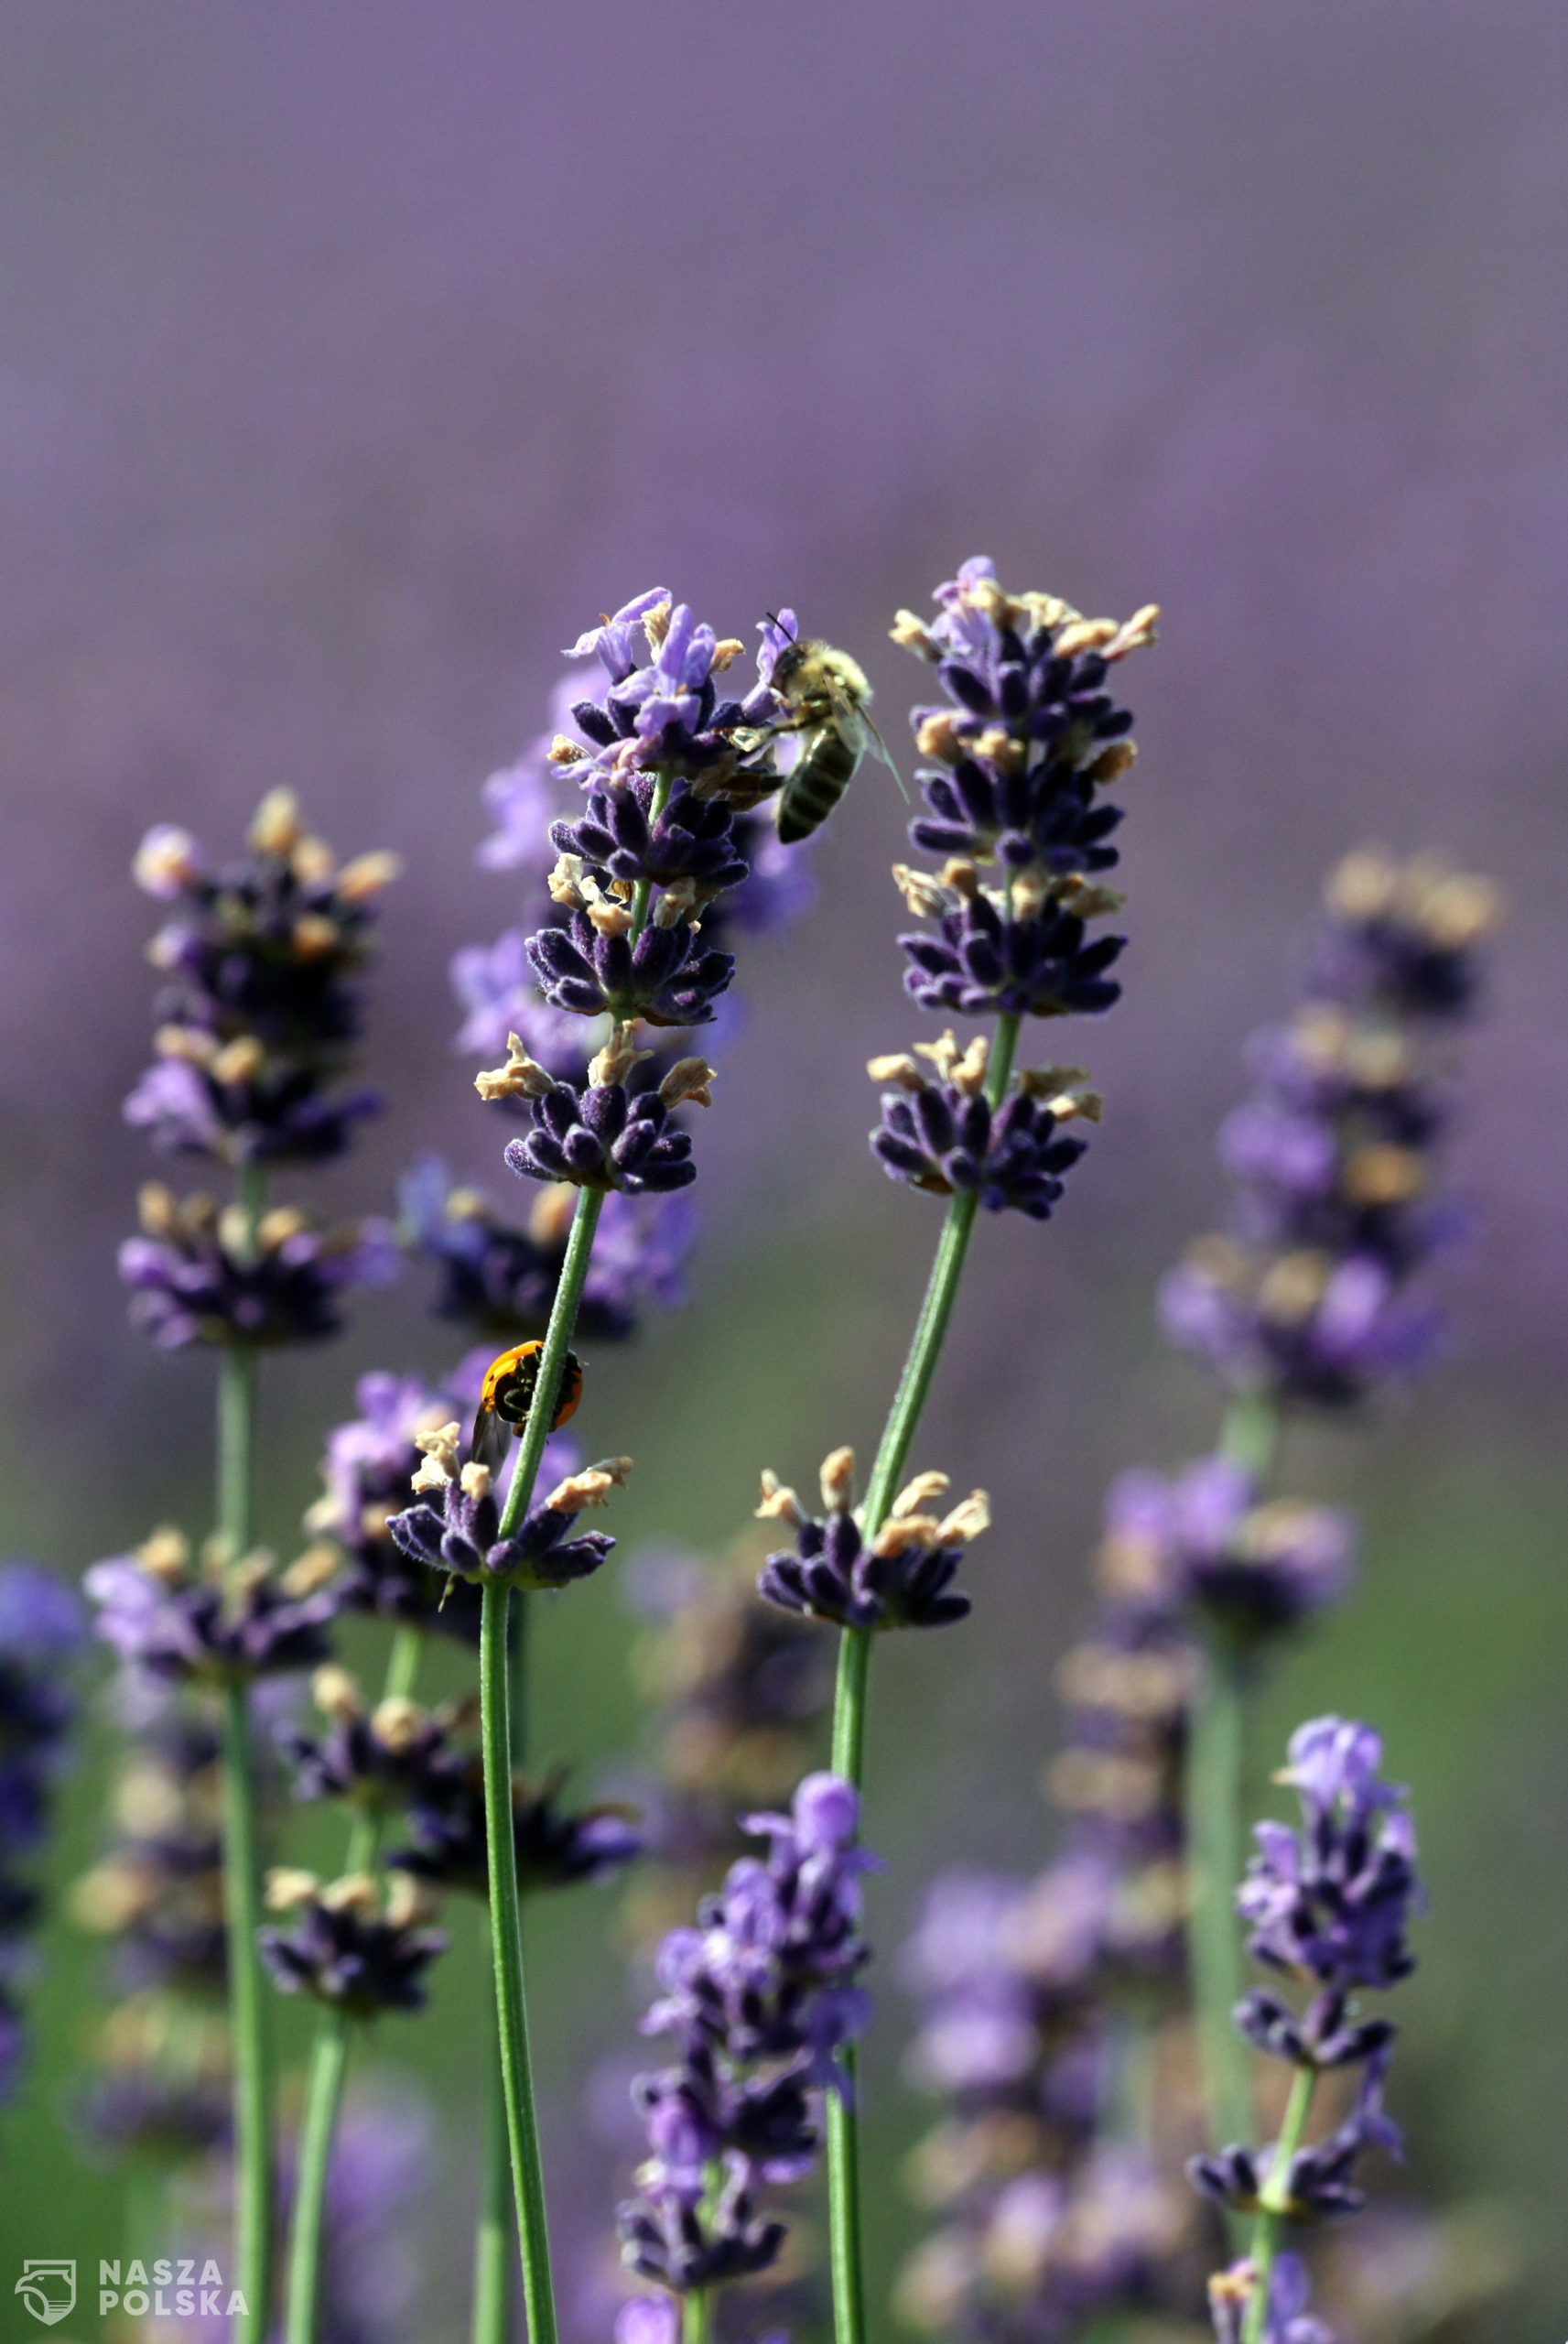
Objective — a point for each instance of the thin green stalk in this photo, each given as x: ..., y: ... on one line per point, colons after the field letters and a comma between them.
x: 1274, y: 2200
x: 328, y: 2057
x: 494, y: 2226
x: 1212, y: 1824
x: 248, y: 2000
x: 697, y: 2315
x: 845, y: 2236
x: 1250, y: 1433
x: 553, y: 1358
x: 1215, y: 1843
x: 506, y: 1947
x: 497, y: 1742
x: 492, y: 2321
x: 249, y: 2015
x: 323, y: 2097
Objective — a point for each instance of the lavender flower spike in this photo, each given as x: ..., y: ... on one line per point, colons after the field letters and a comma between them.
x: 1331, y: 1902
x: 945, y: 1136
x: 1328, y: 1906
x: 901, y: 1578
x: 174, y: 1619
x: 464, y: 1539
x: 349, y: 1948
x: 761, y: 1996
x: 607, y: 1136
x: 40, y: 1633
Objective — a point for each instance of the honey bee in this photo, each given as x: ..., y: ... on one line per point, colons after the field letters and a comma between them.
x: 506, y: 1399
x: 824, y: 694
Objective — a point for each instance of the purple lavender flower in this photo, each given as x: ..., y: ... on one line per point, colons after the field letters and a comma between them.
x: 1332, y: 1901
x: 345, y: 1949
x: 691, y: 839
x: 462, y: 1538
x: 369, y: 1464
x: 666, y: 714
x: 902, y: 1579
x: 605, y: 1137
x: 1335, y: 1153
x: 1405, y: 935
x: 945, y: 1136
x: 666, y: 976
x: 1328, y: 1905
x: 1032, y: 732
x: 40, y: 1634
x: 501, y: 1281
x: 259, y: 1004
x: 446, y: 1844
x: 216, y: 1622
x: 194, y: 1277
x: 1018, y: 758
x: 761, y: 1996
x: 983, y: 961
x: 375, y: 1759
x: 1255, y: 1568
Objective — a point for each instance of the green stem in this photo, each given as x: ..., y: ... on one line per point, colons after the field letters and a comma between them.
x: 249, y: 2015
x: 492, y: 2232
x: 1250, y: 1433
x: 1274, y: 2202
x: 1212, y: 1824
x: 493, y: 2227
x: 553, y: 1358
x: 1212, y: 1790
x: 323, y: 2097
x: 697, y: 2315
x: 844, y: 2236
x: 506, y: 1947
x: 497, y: 1738
x: 330, y: 2058
x: 248, y: 2002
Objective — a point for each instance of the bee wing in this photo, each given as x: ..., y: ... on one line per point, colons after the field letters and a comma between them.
x: 879, y: 748
x: 488, y: 1443
x: 852, y: 718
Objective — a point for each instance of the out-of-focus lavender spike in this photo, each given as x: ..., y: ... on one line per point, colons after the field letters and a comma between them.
x: 259, y: 1007
x: 1311, y: 1296
x: 41, y: 1633
x: 761, y: 1997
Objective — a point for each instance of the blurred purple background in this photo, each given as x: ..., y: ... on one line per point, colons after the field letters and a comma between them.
x: 353, y: 358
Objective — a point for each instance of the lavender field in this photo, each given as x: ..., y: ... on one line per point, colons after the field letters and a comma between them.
x: 783, y: 1055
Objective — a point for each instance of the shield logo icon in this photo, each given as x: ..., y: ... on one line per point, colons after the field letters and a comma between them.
x: 48, y: 2289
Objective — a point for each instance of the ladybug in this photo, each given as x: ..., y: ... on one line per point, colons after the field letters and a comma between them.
x: 507, y: 1398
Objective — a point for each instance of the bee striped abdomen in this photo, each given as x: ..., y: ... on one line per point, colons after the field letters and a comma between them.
x: 815, y: 783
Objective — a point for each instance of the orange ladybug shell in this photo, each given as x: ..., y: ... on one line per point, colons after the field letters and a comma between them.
x: 506, y: 1398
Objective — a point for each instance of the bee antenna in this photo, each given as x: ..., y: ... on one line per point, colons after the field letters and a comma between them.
x: 779, y: 624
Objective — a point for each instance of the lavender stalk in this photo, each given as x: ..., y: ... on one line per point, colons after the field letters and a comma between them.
x: 661, y: 749
x: 1212, y: 1789
x: 255, y: 2147
x: 1028, y: 738
x: 1328, y: 1905
x: 257, y: 1012
x: 1310, y: 1303
x: 327, y: 2071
